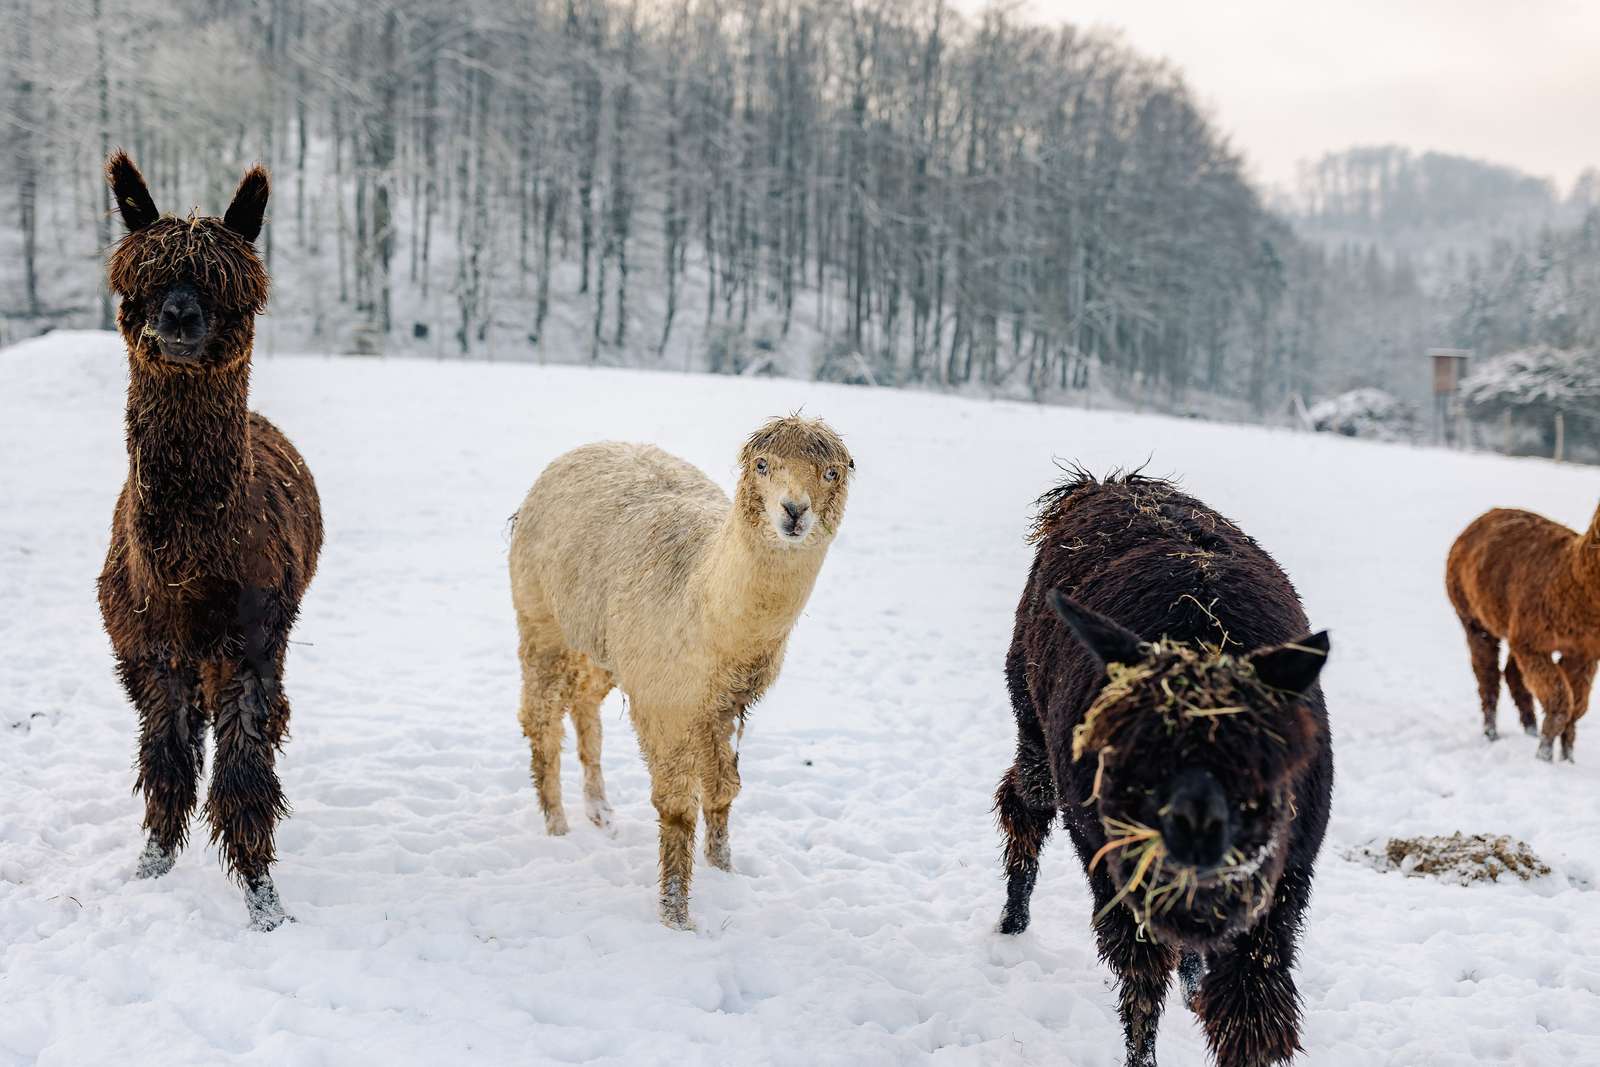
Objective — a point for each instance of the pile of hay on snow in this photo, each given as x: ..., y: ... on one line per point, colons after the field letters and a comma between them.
x: 1459, y: 859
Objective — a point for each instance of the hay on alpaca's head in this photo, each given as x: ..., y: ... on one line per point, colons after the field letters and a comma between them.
x: 1183, y: 703
x: 199, y: 249
x: 797, y: 437
x: 1184, y: 706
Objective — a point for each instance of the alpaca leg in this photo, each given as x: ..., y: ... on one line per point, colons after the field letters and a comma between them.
x: 1580, y: 679
x: 719, y: 784
x: 1484, y: 648
x: 246, y: 800
x: 674, y: 785
x: 1247, y: 1001
x: 172, y: 732
x: 1143, y: 969
x: 586, y: 721
x: 1191, y: 972
x: 1549, y: 685
x: 545, y: 695
x: 1521, y: 697
x: 1026, y: 805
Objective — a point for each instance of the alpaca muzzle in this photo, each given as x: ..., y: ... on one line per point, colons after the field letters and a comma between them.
x: 797, y: 520
x: 1194, y: 820
x: 180, y: 325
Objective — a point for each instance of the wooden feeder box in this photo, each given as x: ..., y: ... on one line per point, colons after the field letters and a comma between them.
x: 1449, y: 367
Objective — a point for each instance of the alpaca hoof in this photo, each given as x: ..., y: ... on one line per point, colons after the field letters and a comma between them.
x: 718, y: 852
x: 555, y: 823
x: 1546, y: 752
x: 599, y: 812
x: 267, y: 922
x: 266, y: 910
x: 1191, y: 972
x: 674, y: 907
x: 1531, y: 729
x: 154, y: 861
x: 1491, y: 733
x: 1013, y: 922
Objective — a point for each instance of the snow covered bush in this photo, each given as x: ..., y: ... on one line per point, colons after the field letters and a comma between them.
x: 1539, y: 380
x: 753, y: 349
x: 1365, y: 413
x: 841, y: 363
x: 1521, y: 392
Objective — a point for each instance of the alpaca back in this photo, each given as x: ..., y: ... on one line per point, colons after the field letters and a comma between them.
x: 283, y: 496
x: 609, y: 537
x: 1163, y: 564
x: 1510, y: 563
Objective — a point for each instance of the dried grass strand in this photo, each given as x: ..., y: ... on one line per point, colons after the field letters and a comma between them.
x: 199, y: 248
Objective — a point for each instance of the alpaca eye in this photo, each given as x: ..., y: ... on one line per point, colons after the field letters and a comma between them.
x: 831, y: 474
x: 761, y: 466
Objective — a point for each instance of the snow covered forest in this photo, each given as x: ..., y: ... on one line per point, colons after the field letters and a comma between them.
x: 1438, y: 250
x: 883, y: 191
x: 1426, y: 250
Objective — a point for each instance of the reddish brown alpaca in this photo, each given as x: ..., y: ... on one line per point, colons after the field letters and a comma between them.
x: 1517, y: 577
x: 215, y: 535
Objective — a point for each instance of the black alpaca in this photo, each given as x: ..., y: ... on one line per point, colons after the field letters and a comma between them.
x: 214, y: 538
x: 1167, y: 707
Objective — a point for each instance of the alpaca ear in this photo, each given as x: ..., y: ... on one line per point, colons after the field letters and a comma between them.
x: 1108, y: 640
x: 249, y: 205
x: 1292, y: 667
x: 132, y: 195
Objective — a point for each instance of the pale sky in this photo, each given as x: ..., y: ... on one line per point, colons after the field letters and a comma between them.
x: 1512, y: 81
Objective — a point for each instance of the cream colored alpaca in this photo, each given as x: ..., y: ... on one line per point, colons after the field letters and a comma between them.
x: 629, y: 567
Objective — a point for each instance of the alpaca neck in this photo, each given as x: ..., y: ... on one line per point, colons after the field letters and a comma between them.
x: 1586, y: 553
x: 188, y: 437
x: 752, y: 592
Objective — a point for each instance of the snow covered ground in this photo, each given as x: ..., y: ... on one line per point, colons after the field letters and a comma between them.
x: 438, y: 923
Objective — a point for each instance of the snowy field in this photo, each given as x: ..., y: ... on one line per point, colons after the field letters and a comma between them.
x: 438, y: 924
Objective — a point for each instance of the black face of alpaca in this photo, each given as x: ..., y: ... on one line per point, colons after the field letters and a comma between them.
x: 1211, y: 792
x: 190, y: 287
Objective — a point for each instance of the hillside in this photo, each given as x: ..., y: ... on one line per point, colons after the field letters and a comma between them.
x: 437, y: 922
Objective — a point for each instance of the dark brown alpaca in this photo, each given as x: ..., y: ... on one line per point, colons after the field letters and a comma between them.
x: 1167, y: 706
x: 1517, y: 577
x: 214, y: 538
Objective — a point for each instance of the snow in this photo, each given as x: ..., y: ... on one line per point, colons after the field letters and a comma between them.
x: 439, y: 924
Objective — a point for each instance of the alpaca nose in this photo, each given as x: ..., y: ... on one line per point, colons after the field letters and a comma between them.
x: 181, y: 319
x: 795, y: 510
x: 1194, y: 820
